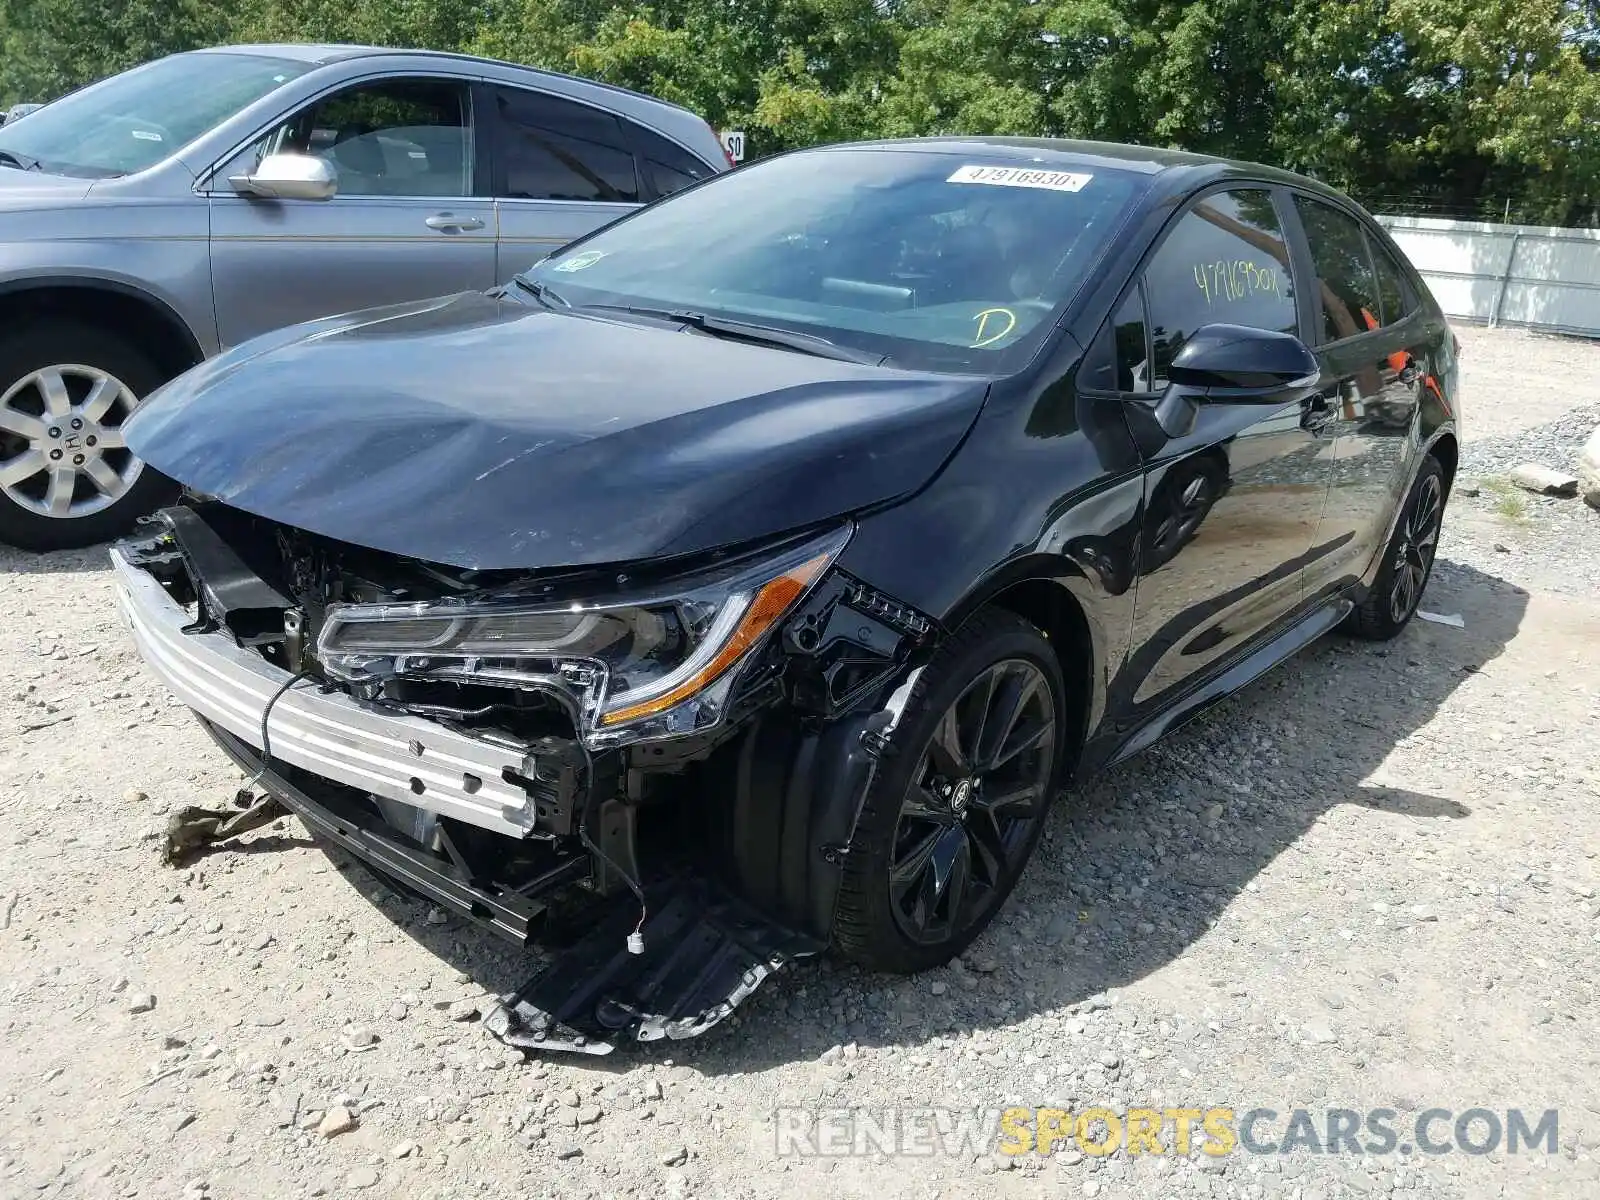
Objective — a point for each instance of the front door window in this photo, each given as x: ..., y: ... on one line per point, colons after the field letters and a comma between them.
x: 1226, y: 262
x: 401, y: 137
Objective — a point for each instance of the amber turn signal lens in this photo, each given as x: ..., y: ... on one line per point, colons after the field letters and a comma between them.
x: 770, y: 603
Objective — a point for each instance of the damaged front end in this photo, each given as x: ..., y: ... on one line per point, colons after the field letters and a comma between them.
x: 667, y: 757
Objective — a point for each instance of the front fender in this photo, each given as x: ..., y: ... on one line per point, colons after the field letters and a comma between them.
x: 166, y: 265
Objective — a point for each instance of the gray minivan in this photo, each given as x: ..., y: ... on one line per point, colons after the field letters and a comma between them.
x: 158, y: 217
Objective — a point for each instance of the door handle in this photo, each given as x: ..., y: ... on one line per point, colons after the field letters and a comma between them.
x: 1317, y: 412
x: 445, y: 222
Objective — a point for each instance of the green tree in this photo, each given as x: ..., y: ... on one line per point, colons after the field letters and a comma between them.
x: 1463, y: 104
x: 969, y: 66
x: 1453, y: 104
x: 428, y: 24
x: 53, y: 46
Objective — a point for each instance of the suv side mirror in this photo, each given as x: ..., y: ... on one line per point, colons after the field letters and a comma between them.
x: 289, y: 177
x: 1234, y: 364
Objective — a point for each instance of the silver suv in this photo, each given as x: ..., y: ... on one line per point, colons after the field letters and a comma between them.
x: 160, y: 216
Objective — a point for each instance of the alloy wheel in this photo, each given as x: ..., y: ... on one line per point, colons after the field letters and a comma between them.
x: 1413, y: 557
x: 61, y: 448
x: 966, y: 822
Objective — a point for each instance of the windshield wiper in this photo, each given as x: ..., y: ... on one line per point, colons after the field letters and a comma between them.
x: 749, y: 331
x: 542, y: 292
x: 10, y: 158
x: 768, y: 335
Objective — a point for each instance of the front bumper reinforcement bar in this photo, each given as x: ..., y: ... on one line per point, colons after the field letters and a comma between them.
x: 390, y: 754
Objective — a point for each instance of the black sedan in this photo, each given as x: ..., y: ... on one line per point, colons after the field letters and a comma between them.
x: 750, y: 577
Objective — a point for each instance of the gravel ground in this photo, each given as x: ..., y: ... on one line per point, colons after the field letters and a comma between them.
x: 1529, y: 398
x: 1367, y: 881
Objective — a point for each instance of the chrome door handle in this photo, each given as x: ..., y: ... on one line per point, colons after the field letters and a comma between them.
x: 445, y: 221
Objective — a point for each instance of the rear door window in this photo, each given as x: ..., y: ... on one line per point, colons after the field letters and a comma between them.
x: 553, y: 149
x: 1392, y: 291
x: 1225, y: 262
x: 665, y: 166
x: 1346, y: 280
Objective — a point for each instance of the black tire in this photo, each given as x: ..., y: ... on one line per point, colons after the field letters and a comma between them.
x: 871, y: 925
x: 43, y: 344
x: 1407, y: 561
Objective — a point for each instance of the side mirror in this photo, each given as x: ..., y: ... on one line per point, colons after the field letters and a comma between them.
x: 1234, y: 364
x: 1258, y: 364
x: 289, y: 177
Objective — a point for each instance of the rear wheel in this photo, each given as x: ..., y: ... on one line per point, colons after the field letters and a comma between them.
x: 1407, y: 561
x: 960, y: 799
x: 67, y: 477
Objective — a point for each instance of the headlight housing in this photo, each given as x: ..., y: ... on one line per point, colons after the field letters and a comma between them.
x: 659, y: 664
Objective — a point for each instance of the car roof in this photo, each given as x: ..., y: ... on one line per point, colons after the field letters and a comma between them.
x: 324, y: 53
x: 307, y: 52
x: 1194, y: 169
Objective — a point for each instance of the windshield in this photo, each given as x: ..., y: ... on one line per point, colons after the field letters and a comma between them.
x: 930, y: 260
x: 134, y: 120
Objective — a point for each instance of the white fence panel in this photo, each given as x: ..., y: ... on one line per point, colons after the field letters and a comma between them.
x: 1529, y: 275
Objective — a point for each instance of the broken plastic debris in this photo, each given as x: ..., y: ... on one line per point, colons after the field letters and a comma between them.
x: 705, y: 953
x: 1452, y: 619
x: 190, y: 830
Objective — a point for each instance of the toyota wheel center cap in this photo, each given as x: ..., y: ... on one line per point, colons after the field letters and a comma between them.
x: 961, y: 796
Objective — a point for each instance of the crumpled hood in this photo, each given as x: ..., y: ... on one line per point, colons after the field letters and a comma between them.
x: 480, y: 432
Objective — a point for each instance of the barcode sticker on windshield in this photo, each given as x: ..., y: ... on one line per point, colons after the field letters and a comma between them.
x: 1055, y: 181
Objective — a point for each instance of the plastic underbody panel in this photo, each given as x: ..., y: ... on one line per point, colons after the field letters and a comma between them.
x: 705, y: 951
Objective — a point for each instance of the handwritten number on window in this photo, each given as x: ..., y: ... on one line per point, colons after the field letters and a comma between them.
x: 1229, y: 281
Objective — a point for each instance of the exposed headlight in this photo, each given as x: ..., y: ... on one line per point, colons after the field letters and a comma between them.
x: 655, y: 665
